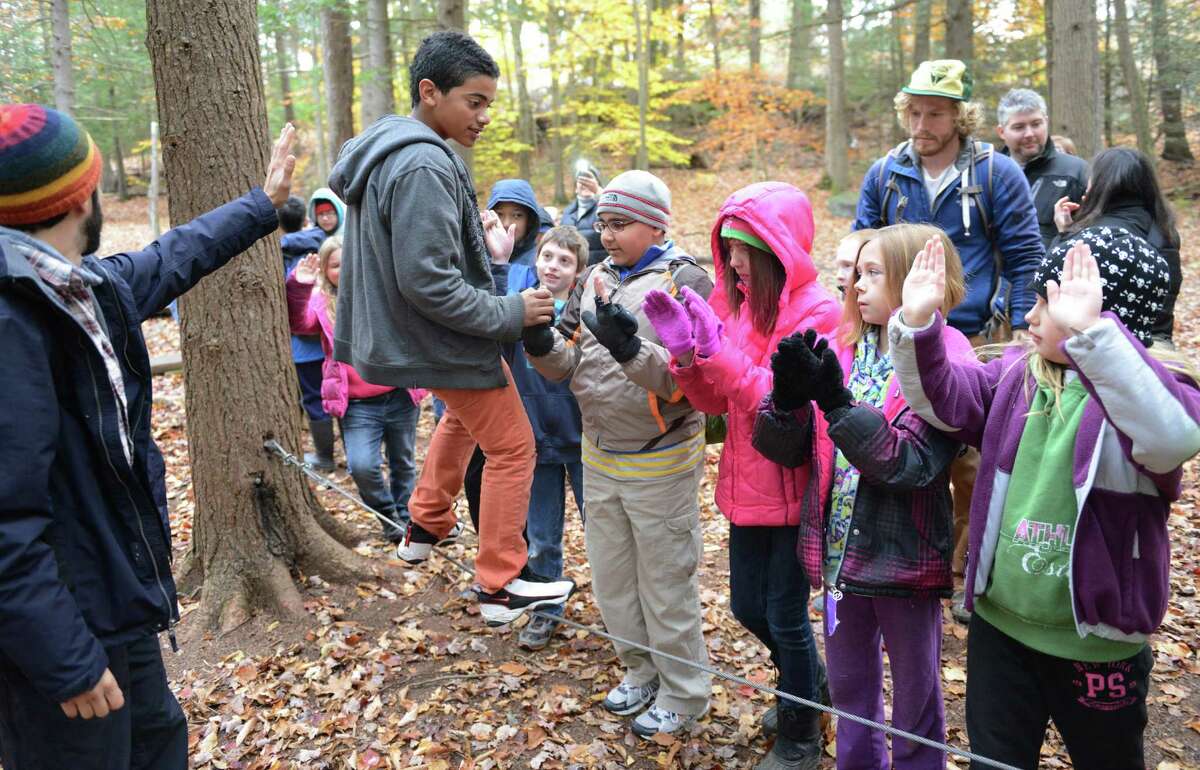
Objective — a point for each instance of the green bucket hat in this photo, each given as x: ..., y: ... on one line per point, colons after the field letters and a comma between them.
x: 941, y: 77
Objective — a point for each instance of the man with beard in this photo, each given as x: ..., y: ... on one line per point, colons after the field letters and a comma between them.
x: 85, y: 573
x: 943, y: 177
x: 1052, y: 175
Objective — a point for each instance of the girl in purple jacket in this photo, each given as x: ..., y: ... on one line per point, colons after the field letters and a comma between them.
x: 1083, y: 431
x: 882, y: 546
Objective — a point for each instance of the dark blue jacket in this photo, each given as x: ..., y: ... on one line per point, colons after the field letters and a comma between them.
x: 84, y: 539
x: 305, y: 348
x: 520, y: 192
x: 583, y: 219
x: 1005, y: 193
x: 551, y: 406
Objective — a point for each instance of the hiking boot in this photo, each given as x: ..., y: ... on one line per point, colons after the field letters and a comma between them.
x: 770, y: 718
x: 521, y: 594
x: 323, y: 440
x: 655, y: 720
x: 628, y: 697
x: 537, y: 633
x: 958, y: 607
x: 798, y: 745
x: 418, y: 543
x: 770, y: 721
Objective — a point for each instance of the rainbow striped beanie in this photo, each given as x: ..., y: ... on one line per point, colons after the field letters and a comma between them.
x: 48, y: 164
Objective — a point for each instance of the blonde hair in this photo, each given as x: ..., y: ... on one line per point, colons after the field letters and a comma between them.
x: 857, y: 238
x: 328, y: 246
x: 968, y: 122
x: 900, y: 245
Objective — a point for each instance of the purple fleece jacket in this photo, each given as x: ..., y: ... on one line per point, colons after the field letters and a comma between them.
x: 1139, y: 427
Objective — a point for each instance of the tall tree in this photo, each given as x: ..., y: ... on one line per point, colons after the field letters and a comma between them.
x: 553, y: 37
x: 1133, y: 81
x: 643, y: 61
x: 1075, y: 109
x: 837, y: 162
x: 1170, y: 89
x: 1107, y: 64
x: 118, y: 151
x: 800, y: 44
x: 64, y: 65
x: 283, y: 65
x: 755, y: 34
x: 714, y: 36
x: 378, y: 89
x: 1048, y: 30
x: 525, y: 127
x: 338, y: 66
x: 452, y: 14
x: 256, y: 520
x: 681, y: 9
x: 960, y: 31
x: 922, y: 22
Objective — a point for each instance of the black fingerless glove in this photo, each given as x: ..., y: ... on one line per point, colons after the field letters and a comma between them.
x: 615, y: 328
x: 538, y: 340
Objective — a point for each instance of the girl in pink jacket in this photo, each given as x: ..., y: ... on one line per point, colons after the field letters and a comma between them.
x: 371, y: 415
x: 766, y: 289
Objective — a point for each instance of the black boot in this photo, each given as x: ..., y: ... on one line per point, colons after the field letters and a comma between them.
x: 770, y: 717
x: 798, y: 745
x: 322, y: 435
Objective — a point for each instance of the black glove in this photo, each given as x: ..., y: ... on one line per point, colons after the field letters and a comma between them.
x: 615, y: 328
x: 538, y: 339
x: 793, y: 368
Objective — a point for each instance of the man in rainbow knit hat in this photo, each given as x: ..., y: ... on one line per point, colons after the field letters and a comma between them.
x: 85, y: 572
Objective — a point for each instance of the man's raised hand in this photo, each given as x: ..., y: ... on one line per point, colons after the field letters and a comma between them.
x: 278, y: 184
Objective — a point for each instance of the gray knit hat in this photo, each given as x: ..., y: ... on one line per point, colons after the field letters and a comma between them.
x: 639, y: 195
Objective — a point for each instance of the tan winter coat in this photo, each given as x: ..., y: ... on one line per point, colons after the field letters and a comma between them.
x: 636, y: 405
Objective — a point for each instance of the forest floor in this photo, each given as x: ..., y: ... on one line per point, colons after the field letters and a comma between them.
x: 405, y: 674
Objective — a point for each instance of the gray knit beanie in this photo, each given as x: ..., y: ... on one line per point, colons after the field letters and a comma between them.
x: 639, y: 195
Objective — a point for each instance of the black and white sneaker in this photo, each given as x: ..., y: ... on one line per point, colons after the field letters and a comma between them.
x: 527, y: 592
x: 418, y: 543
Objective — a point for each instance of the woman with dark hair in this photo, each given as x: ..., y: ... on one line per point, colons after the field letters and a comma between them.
x: 1124, y: 192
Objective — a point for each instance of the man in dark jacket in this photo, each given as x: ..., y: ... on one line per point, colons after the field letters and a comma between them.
x: 581, y: 212
x: 1052, y: 175
x: 85, y: 570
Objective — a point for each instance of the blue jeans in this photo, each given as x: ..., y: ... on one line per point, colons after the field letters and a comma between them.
x: 544, y: 523
x: 369, y: 423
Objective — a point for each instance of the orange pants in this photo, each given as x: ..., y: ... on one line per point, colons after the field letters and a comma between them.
x: 494, y: 419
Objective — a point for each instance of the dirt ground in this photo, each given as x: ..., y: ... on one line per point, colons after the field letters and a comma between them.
x: 405, y: 674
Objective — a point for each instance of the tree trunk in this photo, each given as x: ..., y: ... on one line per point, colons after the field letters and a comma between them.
x: 893, y: 82
x: 755, y: 34
x: 714, y: 36
x: 960, y: 32
x: 1133, y: 82
x: 64, y: 75
x: 837, y: 166
x: 643, y: 61
x: 556, y: 128
x: 1075, y: 109
x: 800, y: 44
x: 681, y: 10
x: 1107, y: 64
x: 921, y: 30
x: 284, y: 64
x: 338, y: 66
x: 1048, y: 25
x: 1170, y: 89
x: 118, y: 153
x: 152, y: 191
x: 378, y: 89
x: 323, y: 164
x: 525, y: 128
x: 256, y: 520
x: 452, y: 14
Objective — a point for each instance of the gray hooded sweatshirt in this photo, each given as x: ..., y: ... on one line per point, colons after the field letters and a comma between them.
x: 416, y: 306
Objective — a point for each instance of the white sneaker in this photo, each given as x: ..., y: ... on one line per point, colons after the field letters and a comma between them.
x: 509, y: 603
x: 628, y: 697
x: 418, y: 544
x: 656, y: 720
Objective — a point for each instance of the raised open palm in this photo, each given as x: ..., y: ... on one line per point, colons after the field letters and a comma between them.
x: 1074, y: 303
x: 307, y: 270
x: 925, y: 285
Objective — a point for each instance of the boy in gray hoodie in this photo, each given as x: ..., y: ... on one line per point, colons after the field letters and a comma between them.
x: 416, y: 309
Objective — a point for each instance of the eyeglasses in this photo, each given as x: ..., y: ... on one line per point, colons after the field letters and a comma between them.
x: 616, y: 225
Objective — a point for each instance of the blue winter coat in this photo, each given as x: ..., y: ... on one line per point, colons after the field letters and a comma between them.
x: 305, y: 348
x: 1013, y: 220
x: 551, y: 406
x: 84, y: 539
x: 520, y: 192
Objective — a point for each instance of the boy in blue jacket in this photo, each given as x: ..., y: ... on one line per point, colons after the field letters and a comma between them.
x: 516, y: 205
x: 85, y: 555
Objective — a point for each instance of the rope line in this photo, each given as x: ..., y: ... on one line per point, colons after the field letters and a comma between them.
x: 289, y: 459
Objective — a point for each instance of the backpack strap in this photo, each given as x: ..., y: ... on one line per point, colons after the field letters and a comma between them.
x: 891, y: 186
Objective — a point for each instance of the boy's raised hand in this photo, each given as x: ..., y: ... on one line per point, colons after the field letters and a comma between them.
x: 278, y: 184
x: 499, y: 241
x: 612, y: 325
x: 308, y: 270
x: 672, y: 324
x: 1075, y: 302
x: 925, y: 285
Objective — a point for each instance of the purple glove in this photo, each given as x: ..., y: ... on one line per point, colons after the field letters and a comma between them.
x: 706, y: 327
x: 670, y: 321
